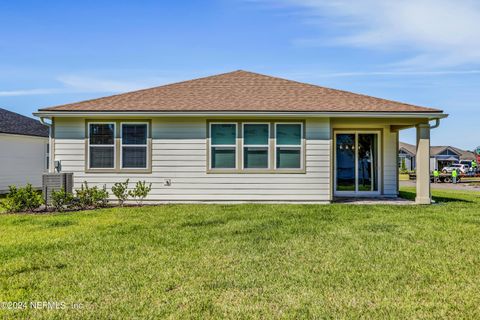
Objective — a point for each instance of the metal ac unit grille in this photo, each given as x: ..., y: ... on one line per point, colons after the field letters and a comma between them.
x: 55, y: 182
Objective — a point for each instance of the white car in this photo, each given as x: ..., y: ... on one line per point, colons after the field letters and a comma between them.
x: 456, y: 166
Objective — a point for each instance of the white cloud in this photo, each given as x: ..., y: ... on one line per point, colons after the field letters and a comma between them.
x: 28, y: 92
x: 90, y: 84
x: 436, y: 32
x: 399, y: 73
x: 82, y: 84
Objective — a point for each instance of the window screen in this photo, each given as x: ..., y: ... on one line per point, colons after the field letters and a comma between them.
x: 134, y: 145
x: 223, y: 145
x: 255, y: 146
x: 288, y: 146
x: 102, y: 145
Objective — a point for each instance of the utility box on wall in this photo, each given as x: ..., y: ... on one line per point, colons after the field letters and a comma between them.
x: 55, y: 182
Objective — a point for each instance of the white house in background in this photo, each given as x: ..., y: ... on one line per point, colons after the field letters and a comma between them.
x: 241, y: 136
x: 440, y: 156
x: 23, y: 150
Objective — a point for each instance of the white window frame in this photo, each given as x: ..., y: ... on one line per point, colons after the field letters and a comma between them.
x: 301, y: 146
x: 222, y: 146
x: 243, y: 145
x: 47, y: 157
x: 146, y: 145
x: 102, y: 145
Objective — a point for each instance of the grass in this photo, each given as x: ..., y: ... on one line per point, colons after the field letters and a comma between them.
x: 248, y: 261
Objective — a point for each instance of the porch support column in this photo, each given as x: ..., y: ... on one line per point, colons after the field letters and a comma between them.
x: 423, y: 164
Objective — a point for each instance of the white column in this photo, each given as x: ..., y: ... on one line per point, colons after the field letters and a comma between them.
x: 423, y: 164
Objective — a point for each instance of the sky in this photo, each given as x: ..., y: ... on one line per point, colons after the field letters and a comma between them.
x: 424, y: 52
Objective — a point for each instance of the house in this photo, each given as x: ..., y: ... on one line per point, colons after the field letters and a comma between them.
x: 241, y: 136
x: 406, y: 156
x: 23, y: 150
x: 440, y: 156
x: 443, y: 156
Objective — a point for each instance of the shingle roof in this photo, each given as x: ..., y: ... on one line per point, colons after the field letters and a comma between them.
x: 14, y: 123
x: 464, y: 154
x: 241, y: 91
x: 435, y: 150
x: 408, y: 147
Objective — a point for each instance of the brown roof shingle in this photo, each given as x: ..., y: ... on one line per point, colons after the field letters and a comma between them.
x: 435, y: 150
x: 241, y: 91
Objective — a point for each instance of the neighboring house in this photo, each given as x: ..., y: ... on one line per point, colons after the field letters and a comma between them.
x: 241, y: 136
x: 23, y: 150
x: 406, y: 156
x: 440, y: 156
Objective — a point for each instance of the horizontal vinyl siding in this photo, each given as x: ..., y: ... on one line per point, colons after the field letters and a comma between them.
x: 390, y: 174
x: 22, y: 159
x: 179, y: 153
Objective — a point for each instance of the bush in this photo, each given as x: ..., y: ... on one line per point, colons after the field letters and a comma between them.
x: 120, y: 191
x: 99, y: 197
x: 22, y: 199
x: 140, y: 192
x: 404, y: 165
x: 62, y: 200
x: 91, y: 197
x: 84, y: 196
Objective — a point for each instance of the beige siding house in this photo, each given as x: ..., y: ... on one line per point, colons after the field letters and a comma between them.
x: 240, y: 136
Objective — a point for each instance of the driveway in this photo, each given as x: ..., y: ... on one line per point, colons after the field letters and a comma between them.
x: 469, y: 186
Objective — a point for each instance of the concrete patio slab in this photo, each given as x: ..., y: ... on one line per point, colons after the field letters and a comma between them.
x: 370, y: 201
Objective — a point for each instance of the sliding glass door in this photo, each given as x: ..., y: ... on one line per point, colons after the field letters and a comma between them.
x: 356, y: 163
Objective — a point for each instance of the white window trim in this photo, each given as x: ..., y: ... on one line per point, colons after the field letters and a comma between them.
x: 146, y: 145
x: 222, y: 146
x: 243, y: 145
x: 301, y: 146
x: 47, y: 157
x: 102, y: 145
x: 379, y: 163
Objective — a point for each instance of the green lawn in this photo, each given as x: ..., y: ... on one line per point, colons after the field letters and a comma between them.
x: 248, y: 261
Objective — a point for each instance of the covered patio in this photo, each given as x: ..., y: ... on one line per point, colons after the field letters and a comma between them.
x: 422, y: 184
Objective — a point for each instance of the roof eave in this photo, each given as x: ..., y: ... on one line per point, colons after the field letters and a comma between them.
x: 431, y: 115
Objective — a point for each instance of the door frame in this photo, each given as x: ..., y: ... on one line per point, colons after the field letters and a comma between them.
x: 358, y: 193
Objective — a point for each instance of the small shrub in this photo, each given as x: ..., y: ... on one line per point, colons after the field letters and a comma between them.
x: 84, y: 196
x: 140, y: 192
x: 62, y: 200
x: 99, y: 197
x: 404, y: 165
x: 91, y: 197
x: 120, y: 191
x: 11, y: 205
x: 22, y: 199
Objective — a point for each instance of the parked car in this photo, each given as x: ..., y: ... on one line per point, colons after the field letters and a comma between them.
x: 467, y: 163
x: 456, y: 166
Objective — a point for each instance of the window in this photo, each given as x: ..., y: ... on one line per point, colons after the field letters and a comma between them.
x: 47, y: 156
x: 255, y: 145
x: 119, y: 146
x: 223, y: 151
x: 101, y: 143
x: 134, y: 147
x: 259, y: 147
x: 356, y: 165
x: 288, y: 146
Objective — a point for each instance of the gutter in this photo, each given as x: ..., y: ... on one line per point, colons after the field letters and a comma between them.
x: 437, y: 123
x: 42, y: 120
x: 220, y: 114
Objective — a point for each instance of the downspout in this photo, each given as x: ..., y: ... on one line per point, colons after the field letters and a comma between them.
x: 437, y: 123
x: 51, y: 168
